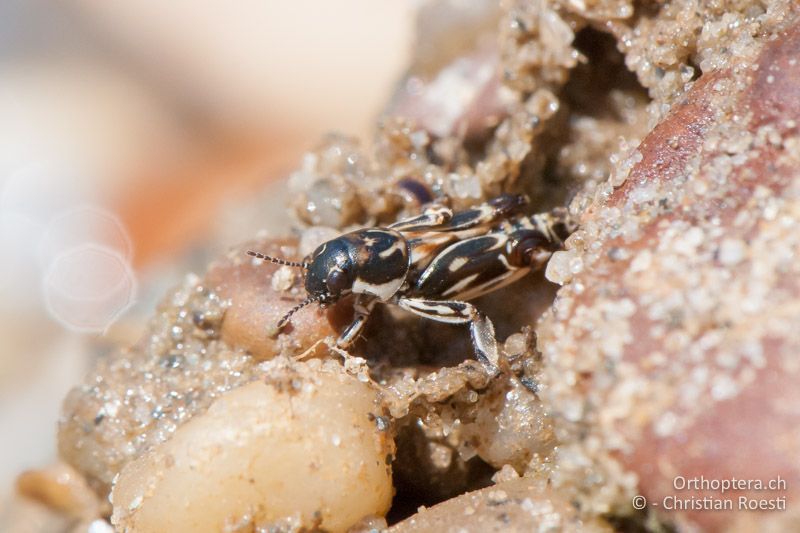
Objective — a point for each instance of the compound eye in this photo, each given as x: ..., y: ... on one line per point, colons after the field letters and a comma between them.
x: 337, y: 282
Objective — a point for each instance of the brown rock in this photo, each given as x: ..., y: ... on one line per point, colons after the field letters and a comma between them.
x: 673, y: 345
x: 207, y: 337
x: 518, y: 505
x: 257, y: 304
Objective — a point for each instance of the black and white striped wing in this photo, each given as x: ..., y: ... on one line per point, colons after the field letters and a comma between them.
x: 468, y: 268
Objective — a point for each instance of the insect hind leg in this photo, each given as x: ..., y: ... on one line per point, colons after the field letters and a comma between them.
x: 434, y: 215
x: 455, y: 312
x: 487, y: 213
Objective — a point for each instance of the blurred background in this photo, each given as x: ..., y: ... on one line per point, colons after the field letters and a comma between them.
x: 130, y: 133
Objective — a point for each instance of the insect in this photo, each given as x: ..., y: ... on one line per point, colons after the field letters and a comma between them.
x: 432, y: 264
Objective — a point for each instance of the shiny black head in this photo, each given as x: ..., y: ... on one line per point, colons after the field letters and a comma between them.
x: 373, y: 262
x: 332, y: 270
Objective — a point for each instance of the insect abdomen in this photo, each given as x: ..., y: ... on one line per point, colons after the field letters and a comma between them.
x: 476, y: 265
x: 465, y: 269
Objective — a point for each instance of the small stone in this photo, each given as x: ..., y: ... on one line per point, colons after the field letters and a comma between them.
x: 497, y: 497
x: 666, y: 424
x: 313, y: 237
x: 561, y: 267
x: 465, y: 186
x: 507, y: 473
x: 642, y: 261
x: 135, y: 503
x: 515, y: 344
x: 732, y: 251
x: 99, y: 526
x: 441, y: 455
x: 283, y: 279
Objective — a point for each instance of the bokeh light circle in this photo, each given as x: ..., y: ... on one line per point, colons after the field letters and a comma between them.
x: 87, y: 287
x: 80, y: 225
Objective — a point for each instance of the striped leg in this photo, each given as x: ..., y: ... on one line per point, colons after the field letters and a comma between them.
x: 486, y: 213
x: 362, y: 308
x: 454, y: 312
x: 433, y: 215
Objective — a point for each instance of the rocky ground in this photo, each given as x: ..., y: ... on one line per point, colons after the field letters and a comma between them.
x: 669, y: 349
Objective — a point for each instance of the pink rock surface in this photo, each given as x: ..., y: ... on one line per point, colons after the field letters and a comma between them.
x: 675, y: 343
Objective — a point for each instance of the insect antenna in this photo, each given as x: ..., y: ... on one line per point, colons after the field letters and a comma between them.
x: 278, y: 260
x: 283, y: 321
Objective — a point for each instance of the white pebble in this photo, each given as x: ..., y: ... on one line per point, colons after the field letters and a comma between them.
x: 642, y: 261
x: 666, y: 424
x: 690, y: 240
x: 724, y: 387
x: 314, y: 236
x: 560, y: 267
x: 283, y: 279
x: 268, y: 451
x: 732, y: 251
x: 99, y: 526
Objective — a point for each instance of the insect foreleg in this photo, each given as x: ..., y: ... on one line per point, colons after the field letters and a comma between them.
x: 455, y: 312
x: 362, y: 308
